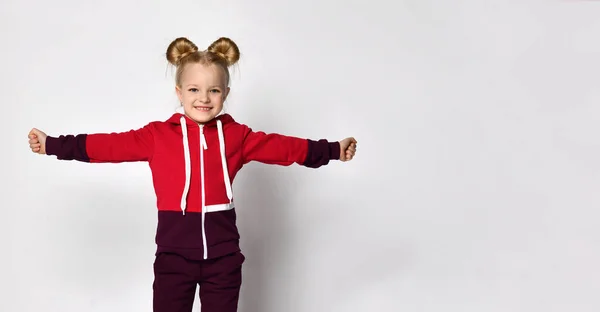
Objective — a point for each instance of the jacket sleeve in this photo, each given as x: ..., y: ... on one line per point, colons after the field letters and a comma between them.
x: 129, y: 146
x: 278, y: 149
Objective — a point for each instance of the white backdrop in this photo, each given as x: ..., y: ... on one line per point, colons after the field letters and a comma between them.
x: 474, y: 187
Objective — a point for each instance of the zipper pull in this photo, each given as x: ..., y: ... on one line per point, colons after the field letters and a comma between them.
x: 203, y: 139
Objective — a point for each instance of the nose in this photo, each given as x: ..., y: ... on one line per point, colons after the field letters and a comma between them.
x: 203, y: 97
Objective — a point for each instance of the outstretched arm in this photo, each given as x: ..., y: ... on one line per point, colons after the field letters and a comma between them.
x: 285, y: 150
x: 129, y: 146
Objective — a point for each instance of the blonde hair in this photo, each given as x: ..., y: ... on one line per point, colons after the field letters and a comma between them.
x: 223, y: 53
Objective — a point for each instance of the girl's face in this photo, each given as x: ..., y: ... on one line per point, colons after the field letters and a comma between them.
x: 202, y: 92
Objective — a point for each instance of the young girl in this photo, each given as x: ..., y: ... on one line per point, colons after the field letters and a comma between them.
x: 194, y: 158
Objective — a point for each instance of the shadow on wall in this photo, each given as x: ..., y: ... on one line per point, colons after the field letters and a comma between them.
x: 262, y: 223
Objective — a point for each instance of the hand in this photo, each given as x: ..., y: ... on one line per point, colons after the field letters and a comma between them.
x: 37, y: 141
x: 347, y: 149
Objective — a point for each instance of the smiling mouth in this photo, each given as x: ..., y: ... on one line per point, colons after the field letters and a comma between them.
x: 202, y: 108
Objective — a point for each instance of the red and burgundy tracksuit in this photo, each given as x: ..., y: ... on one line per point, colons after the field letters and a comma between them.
x: 193, y: 167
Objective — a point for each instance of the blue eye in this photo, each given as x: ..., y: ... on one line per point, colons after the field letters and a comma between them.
x: 215, y: 90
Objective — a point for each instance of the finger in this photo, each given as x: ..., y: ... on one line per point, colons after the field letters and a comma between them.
x: 33, y: 141
x: 35, y: 145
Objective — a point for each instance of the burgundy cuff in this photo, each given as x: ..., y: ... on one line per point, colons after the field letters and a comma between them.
x: 67, y: 147
x: 321, y: 152
x: 52, y: 145
x: 334, y: 150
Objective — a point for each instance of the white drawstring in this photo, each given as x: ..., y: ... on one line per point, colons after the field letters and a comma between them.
x: 188, y: 164
x: 224, y: 161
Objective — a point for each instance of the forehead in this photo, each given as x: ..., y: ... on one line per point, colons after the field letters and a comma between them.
x: 201, y: 74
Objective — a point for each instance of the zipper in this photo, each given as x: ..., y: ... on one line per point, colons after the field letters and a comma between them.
x: 203, y: 146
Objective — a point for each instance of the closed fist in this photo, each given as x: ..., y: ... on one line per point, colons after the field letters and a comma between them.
x: 347, y: 149
x: 37, y: 141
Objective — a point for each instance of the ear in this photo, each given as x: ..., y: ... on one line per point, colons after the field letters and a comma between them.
x: 226, y: 93
x: 179, y: 94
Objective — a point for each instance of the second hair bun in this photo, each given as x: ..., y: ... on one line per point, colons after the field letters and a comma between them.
x: 226, y: 49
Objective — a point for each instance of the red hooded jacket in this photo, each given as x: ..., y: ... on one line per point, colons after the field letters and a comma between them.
x: 193, y: 167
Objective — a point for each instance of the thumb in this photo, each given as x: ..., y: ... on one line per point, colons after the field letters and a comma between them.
x: 34, y: 132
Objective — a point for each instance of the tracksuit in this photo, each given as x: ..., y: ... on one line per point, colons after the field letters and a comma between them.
x: 193, y: 166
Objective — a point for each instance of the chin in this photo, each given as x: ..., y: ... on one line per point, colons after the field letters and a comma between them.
x: 202, y: 117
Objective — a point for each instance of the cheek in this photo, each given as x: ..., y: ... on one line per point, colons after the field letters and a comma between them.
x: 216, y: 97
x: 186, y: 98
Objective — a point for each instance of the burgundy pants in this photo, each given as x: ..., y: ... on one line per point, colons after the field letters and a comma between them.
x: 176, y: 278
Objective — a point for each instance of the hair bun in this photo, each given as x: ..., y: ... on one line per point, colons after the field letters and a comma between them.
x: 226, y: 49
x: 180, y: 48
